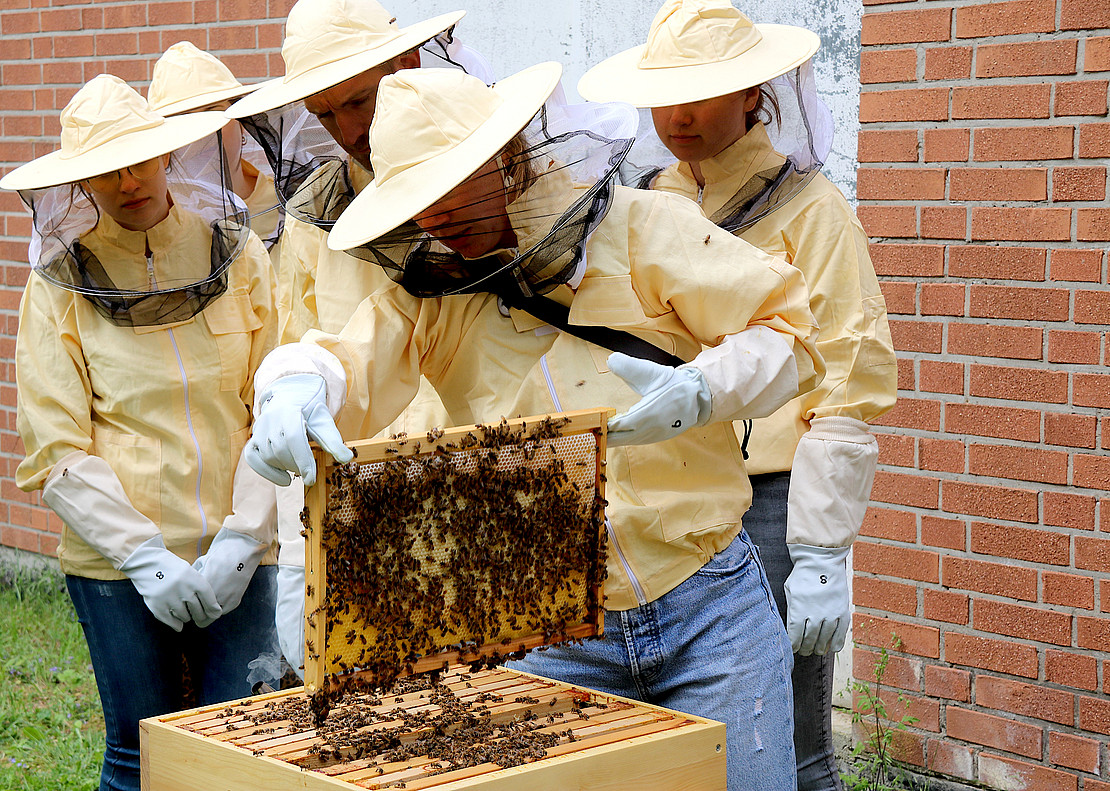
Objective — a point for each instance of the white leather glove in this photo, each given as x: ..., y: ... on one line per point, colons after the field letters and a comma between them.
x: 229, y: 565
x: 290, y: 411
x: 171, y: 588
x: 817, y: 601
x: 289, y: 615
x: 673, y: 400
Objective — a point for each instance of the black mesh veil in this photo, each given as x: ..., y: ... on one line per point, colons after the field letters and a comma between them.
x: 60, y: 251
x: 554, y: 186
x: 802, y: 131
x: 799, y: 126
x: 312, y: 178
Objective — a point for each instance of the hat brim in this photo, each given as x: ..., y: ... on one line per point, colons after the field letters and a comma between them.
x: 619, y: 78
x: 120, y: 152
x: 202, y: 100
x: 281, y: 91
x: 381, y: 207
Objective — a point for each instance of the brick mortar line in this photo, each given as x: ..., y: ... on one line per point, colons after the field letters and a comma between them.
x: 965, y: 629
x: 971, y: 554
x: 945, y: 476
x: 948, y: 626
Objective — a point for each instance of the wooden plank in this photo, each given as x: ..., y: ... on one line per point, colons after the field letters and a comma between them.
x: 374, y: 450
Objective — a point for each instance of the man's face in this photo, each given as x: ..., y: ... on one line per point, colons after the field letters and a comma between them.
x: 472, y: 218
x: 347, y: 109
x: 700, y: 130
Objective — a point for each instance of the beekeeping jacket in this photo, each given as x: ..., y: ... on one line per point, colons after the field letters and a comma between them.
x: 166, y: 406
x: 655, y: 268
x: 320, y: 289
x: 816, y: 231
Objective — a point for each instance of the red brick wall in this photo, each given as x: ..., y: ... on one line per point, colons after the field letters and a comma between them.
x: 48, y: 49
x: 982, y: 182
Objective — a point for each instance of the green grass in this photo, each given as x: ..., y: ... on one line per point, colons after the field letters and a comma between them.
x: 51, y: 727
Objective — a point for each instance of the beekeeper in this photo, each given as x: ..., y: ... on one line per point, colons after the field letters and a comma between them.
x: 186, y: 79
x: 143, y: 320
x: 508, y: 224
x: 735, y: 103
x: 313, y: 124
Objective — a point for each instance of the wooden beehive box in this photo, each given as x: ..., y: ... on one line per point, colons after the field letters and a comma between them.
x: 464, y: 545
x: 586, y: 740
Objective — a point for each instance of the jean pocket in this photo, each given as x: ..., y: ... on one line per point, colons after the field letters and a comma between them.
x: 731, y: 560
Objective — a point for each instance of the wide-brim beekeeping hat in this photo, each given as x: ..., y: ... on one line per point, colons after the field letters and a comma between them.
x: 432, y: 129
x: 106, y: 126
x: 186, y: 78
x: 695, y: 50
x: 330, y: 41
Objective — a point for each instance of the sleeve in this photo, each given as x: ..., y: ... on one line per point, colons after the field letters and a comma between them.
x: 296, y: 280
x: 53, y: 391
x: 264, y: 338
x: 390, y: 340
x: 719, y: 285
x: 830, y: 482
x: 253, y: 504
x: 828, y: 244
x: 88, y: 496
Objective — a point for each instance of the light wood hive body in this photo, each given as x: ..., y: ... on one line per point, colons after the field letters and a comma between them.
x: 601, y: 742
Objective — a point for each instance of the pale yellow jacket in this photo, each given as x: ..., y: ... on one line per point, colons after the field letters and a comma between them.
x: 137, y: 397
x: 319, y: 289
x: 656, y: 268
x: 817, y: 232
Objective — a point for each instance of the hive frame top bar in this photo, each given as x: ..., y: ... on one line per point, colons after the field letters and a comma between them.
x: 372, y: 450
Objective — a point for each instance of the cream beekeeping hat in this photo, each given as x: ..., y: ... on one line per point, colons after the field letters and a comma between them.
x: 433, y: 128
x: 698, y: 49
x: 106, y: 126
x: 330, y: 41
x: 186, y: 78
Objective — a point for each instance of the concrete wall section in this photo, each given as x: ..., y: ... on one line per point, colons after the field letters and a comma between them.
x: 579, y: 33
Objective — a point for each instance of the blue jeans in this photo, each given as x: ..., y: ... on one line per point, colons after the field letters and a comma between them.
x: 714, y: 647
x: 765, y: 522
x: 137, y: 660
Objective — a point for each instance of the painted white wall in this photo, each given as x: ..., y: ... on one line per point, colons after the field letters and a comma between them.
x: 514, y: 34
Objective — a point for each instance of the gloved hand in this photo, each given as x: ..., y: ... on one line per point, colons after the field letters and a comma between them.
x: 289, y: 615
x: 673, y: 400
x: 817, y: 602
x: 229, y: 564
x: 172, y: 589
x: 290, y: 411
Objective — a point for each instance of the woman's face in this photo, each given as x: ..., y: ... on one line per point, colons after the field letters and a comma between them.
x: 136, y: 197
x: 472, y: 219
x: 700, y: 130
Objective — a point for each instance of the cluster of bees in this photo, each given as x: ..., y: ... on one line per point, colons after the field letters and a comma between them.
x: 467, y: 547
x: 453, y: 732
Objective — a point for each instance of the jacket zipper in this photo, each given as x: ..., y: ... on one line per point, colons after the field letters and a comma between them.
x: 196, y: 444
x: 641, y: 599
x: 188, y: 414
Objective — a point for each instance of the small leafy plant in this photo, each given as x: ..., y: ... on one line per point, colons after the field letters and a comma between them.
x: 872, y: 766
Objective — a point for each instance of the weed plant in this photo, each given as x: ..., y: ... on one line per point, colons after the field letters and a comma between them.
x: 872, y: 765
x: 51, y: 726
